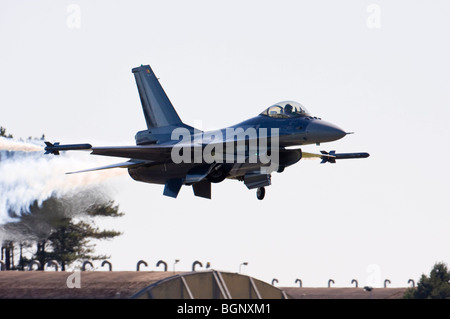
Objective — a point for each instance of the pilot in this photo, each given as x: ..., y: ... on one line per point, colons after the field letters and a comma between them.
x: 288, y: 109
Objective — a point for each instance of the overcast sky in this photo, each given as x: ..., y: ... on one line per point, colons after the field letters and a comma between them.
x: 377, y: 68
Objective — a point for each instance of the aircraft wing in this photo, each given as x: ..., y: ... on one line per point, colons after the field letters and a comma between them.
x: 154, y: 152
x: 127, y: 164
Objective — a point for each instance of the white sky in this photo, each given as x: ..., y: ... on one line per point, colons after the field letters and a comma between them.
x: 222, y: 62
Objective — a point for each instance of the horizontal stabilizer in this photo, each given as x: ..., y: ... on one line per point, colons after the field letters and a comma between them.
x: 118, y: 165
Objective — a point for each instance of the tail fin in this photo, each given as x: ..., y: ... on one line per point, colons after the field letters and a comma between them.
x: 158, y: 110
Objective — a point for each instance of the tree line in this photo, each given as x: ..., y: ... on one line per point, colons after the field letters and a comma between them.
x: 60, y: 228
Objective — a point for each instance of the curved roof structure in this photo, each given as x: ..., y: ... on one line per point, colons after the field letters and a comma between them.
x: 210, y: 285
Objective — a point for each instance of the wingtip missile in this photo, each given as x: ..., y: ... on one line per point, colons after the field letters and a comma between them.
x: 55, y: 148
x: 332, y: 156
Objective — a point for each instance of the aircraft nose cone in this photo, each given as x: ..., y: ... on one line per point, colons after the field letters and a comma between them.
x: 322, y: 131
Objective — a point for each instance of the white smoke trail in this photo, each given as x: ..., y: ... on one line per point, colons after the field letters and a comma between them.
x: 8, y: 144
x: 28, y: 177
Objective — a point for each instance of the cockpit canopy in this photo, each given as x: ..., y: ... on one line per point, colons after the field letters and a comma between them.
x: 286, y: 109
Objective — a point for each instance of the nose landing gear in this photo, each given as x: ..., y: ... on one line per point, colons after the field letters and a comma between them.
x: 260, y: 193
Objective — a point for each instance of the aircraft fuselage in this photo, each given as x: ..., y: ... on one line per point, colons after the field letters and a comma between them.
x: 173, y: 153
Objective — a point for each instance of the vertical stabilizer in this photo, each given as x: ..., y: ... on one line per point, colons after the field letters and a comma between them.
x: 158, y: 110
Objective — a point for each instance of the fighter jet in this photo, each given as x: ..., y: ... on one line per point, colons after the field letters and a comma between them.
x: 172, y: 153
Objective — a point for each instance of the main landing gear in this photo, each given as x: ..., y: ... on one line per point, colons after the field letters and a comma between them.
x: 260, y: 192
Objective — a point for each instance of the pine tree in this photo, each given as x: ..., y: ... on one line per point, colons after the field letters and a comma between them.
x: 436, y: 286
x: 3, y: 133
x: 63, y: 229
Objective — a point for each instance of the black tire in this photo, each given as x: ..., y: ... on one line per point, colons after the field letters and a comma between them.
x: 260, y: 193
x: 217, y: 175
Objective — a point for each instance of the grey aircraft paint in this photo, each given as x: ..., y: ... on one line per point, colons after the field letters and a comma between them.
x: 151, y: 159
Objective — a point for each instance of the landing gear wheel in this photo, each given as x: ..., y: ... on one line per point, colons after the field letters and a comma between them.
x: 260, y: 192
x: 217, y: 175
